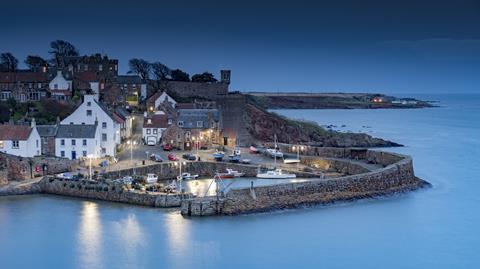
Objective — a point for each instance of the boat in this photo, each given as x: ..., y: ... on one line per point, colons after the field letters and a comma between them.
x: 172, y: 187
x: 291, y: 160
x: 151, y: 178
x: 187, y: 176
x: 230, y: 174
x: 237, y: 151
x: 234, y: 158
x: 275, y: 174
x: 218, y: 156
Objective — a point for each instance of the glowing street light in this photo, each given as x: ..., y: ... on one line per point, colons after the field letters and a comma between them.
x: 131, y: 143
x: 90, y: 156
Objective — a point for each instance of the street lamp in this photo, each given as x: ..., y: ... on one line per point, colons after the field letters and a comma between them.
x: 131, y: 143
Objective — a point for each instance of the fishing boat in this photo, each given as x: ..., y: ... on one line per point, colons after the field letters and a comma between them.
x: 218, y: 155
x: 234, y: 158
x: 187, y: 176
x: 275, y: 153
x: 275, y: 174
x: 172, y: 187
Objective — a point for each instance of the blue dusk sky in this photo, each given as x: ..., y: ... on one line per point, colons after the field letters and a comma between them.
x: 356, y: 46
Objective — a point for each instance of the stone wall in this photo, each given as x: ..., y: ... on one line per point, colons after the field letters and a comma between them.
x: 108, y: 192
x: 196, y: 89
x: 393, y: 178
x: 14, y: 168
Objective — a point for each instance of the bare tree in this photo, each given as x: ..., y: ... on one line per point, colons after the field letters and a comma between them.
x: 61, y: 49
x: 8, y: 62
x: 160, y: 71
x: 140, y: 67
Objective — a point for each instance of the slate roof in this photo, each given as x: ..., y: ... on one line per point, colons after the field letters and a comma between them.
x: 110, y: 114
x: 157, y: 121
x: 190, y: 117
x: 122, y: 112
x: 47, y: 130
x: 76, y: 131
x: 14, y: 132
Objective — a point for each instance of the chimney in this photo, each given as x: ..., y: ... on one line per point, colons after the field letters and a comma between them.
x: 33, y: 124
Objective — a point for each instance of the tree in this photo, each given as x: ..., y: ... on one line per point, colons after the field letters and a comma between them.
x: 61, y: 49
x: 35, y: 62
x: 205, y: 77
x: 140, y: 67
x: 179, y: 75
x: 8, y: 62
x: 160, y: 71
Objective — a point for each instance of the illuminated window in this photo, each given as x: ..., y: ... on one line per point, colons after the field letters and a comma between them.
x: 1, y: 144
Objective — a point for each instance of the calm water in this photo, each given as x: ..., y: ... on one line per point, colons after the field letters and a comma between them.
x: 434, y: 228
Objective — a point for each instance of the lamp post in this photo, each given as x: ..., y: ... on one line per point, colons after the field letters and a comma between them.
x: 131, y: 143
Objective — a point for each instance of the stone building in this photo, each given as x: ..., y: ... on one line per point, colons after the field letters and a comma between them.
x: 97, y: 63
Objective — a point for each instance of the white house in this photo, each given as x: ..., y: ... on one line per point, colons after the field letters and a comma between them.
x: 158, y: 98
x: 108, y: 123
x: 126, y: 127
x: 153, y: 128
x: 60, y: 88
x: 20, y: 140
x: 74, y: 141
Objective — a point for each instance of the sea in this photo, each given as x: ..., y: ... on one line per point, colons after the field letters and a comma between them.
x: 438, y: 227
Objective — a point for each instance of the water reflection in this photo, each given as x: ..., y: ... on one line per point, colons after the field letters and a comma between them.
x: 90, y: 237
x: 132, y: 239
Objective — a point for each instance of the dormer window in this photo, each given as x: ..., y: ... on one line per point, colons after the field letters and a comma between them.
x: 170, y: 122
x: 149, y: 121
x: 89, y: 103
x: 180, y: 123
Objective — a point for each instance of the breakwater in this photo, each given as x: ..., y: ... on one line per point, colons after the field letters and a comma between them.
x: 394, y: 174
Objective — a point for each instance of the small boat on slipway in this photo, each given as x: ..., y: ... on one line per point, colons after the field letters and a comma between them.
x: 187, y: 176
x: 218, y: 155
x: 275, y: 174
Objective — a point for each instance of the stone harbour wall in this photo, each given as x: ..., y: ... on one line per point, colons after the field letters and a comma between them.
x: 108, y: 192
x: 14, y: 168
x: 395, y: 177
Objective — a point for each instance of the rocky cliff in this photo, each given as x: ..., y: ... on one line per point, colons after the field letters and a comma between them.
x: 263, y: 125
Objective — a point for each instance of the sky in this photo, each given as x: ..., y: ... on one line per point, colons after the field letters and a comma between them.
x: 330, y: 46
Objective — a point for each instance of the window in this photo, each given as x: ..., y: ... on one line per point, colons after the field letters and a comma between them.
x: 89, y: 103
x: 85, y: 67
x: 37, y: 142
x: 104, y: 137
x: 89, y: 113
x: 55, y: 86
x: 180, y: 123
x: 39, y: 85
x: 148, y: 131
x: 74, y: 142
x: 169, y: 121
x: 104, y: 150
x: 84, y: 142
x: 155, y: 131
x: 104, y: 125
x: 62, y: 153
x: 100, y: 67
x: 200, y: 124
x: 62, y: 142
x: 84, y: 153
x: 1, y: 144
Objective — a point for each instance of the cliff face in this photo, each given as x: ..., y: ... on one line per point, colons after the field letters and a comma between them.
x: 263, y: 125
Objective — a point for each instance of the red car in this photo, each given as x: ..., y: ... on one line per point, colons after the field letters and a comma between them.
x: 167, y: 147
x: 172, y: 157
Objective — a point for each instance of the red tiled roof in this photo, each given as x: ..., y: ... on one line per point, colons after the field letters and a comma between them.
x: 157, y: 121
x: 117, y: 118
x: 11, y: 77
x: 154, y: 97
x: 14, y: 132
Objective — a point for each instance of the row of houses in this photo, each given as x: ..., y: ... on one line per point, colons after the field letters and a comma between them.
x: 90, y: 131
x: 75, y: 75
x: 182, y: 125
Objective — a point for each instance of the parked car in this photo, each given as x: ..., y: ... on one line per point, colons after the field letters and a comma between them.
x: 172, y: 157
x: 156, y: 158
x: 151, y: 142
x: 167, y: 147
x: 189, y: 157
x: 152, y: 178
